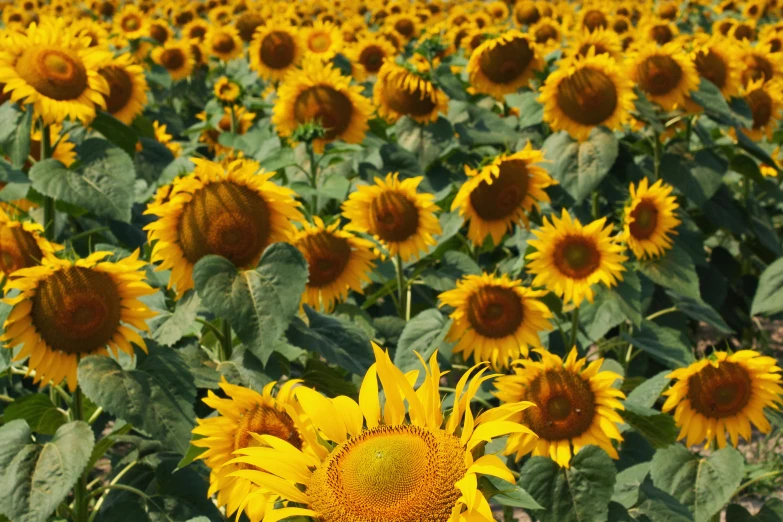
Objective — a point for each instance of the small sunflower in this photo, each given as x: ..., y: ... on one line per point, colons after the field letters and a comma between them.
x: 759, y: 63
x: 666, y: 74
x: 504, y: 64
x: 502, y: 193
x: 575, y: 406
x: 67, y: 310
x: 571, y: 258
x: 772, y: 170
x: 275, y: 50
x: 659, y: 31
x: 248, y: 23
x: 591, y: 18
x: 400, y: 92
x: 547, y: 35
x: 722, y: 394
x: 765, y: 100
x: 320, y: 93
x: 223, y: 42
x: 166, y: 139
x: 242, y: 121
x: 196, y: 30
x: 392, y: 211
x: 716, y: 61
x: 159, y: 31
x: 176, y: 58
x: 235, y: 212
x: 495, y: 318
x: 744, y: 31
x: 621, y: 24
x: 526, y: 12
x: 322, y: 40
x: 95, y: 33
x: 131, y: 23
x: 650, y: 219
x: 368, y: 54
x: 600, y: 41
x: 405, y: 25
x: 22, y: 244
x: 226, y: 90
x: 128, y: 88
x: 64, y: 149
x: 338, y: 262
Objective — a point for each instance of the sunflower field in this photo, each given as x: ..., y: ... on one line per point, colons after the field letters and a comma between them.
x: 391, y: 261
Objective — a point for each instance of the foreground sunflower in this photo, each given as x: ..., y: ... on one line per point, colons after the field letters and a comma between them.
x: 128, y: 88
x: 397, y: 463
x: 715, y: 60
x: 575, y: 406
x: 234, y: 212
x: 586, y: 92
x: 67, y: 310
x: 22, y: 244
x: 502, y: 193
x: 495, y: 318
x: 243, y: 415
x: 391, y: 210
x: 337, y: 262
x: 765, y: 100
x: 275, y: 50
x: 665, y: 74
x: 722, y: 394
x: 320, y: 93
x: 650, y: 219
x: 400, y: 92
x: 571, y: 258
x: 504, y: 64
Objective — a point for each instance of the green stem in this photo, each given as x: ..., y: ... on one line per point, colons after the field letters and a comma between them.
x: 48, y: 203
x: 508, y: 514
x: 313, y: 179
x: 80, y: 499
x: 88, y: 233
x: 688, y: 130
x: 746, y: 184
x: 226, y: 344
x: 402, y: 290
x: 233, y: 120
x: 574, y: 329
x: 659, y: 313
x: 657, y: 150
x: 596, y: 205
x: 755, y: 480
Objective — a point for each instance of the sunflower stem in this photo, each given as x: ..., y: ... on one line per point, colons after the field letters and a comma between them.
x: 657, y: 150
x: 48, y: 203
x: 80, y: 499
x: 508, y: 514
x: 226, y: 344
x: 233, y: 120
x: 313, y: 179
x: 402, y: 291
x: 574, y: 329
x: 596, y: 207
x: 688, y: 131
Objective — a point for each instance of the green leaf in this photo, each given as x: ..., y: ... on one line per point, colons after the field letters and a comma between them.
x: 647, y: 393
x: 674, y: 270
x: 664, y: 344
x: 168, y: 328
x: 258, y: 303
x: 103, y: 184
x: 157, y: 396
x: 699, y: 310
x: 698, y: 180
x: 531, y: 112
x: 19, y: 147
x: 192, y: 454
x: 648, y: 111
x: 769, y: 294
x: 38, y: 411
x: 737, y: 513
x: 580, y: 167
x: 626, y: 488
x: 424, y: 334
x: 116, y: 132
x: 716, y: 106
x: 703, y: 484
x: 659, y: 506
x: 658, y: 428
x: 507, y: 494
x: 580, y: 493
x: 612, y: 306
x: 452, y: 267
x: 104, y: 444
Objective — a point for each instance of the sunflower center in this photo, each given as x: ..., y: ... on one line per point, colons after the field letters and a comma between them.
x: 405, y: 27
x: 645, y: 220
x: 172, y: 59
x: 757, y: 68
x: 495, y: 311
x: 327, y: 256
x: 247, y: 24
x: 588, y: 96
x: 598, y: 48
x: 225, y: 219
x: 77, y: 310
x: 264, y: 420
x: 661, y: 34
x: 527, y: 14
x: 577, y: 257
x: 594, y: 19
x: 566, y: 405
x: 120, y: 88
x: 620, y: 26
x: 326, y: 105
x: 130, y: 23
x: 546, y: 33
x: 18, y: 249
x: 319, y: 42
x: 277, y: 50
x: 56, y: 73
x: 507, y: 61
x: 371, y: 58
x: 720, y: 392
x: 159, y: 33
x: 394, y: 217
x: 413, y: 102
x: 761, y: 106
x: 223, y: 43
x: 390, y: 473
x: 198, y: 32
x: 712, y: 67
x: 659, y: 74
x: 506, y: 193
x: 744, y: 32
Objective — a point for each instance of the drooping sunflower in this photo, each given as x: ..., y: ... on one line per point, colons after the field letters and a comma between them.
x: 400, y: 92
x: 724, y: 393
x: 67, y: 310
x: 715, y: 60
x: 275, y: 50
x: 368, y: 55
x: 130, y: 23
x: 226, y: 90
x: 176, y: 58
x: 765, y: 100
x: 234, y: 212
x: 504, y: 64
x: 320, y: 93
x: 379, y: 463
x: 22, y: 244
x: 502, y: 193
x: 398, y: 216
x: 55, y: 72
x: 322, y: 40
x: 496, y: 319
x: 666, y: 74
x: 650, y: 219
x: 571, y: 258
x: 587, y: 92
x: 223, y: 42
x: 338, y: 262
x: 759, y: 63
x: 243, y: 416
x: 128, y: 88
x: 575, y: 406
x: 600, y: 40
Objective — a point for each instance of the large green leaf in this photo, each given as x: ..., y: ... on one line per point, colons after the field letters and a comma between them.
x: 580, y: 493
x: 453, y: 266
x: 769, y: 295
x: 507, y: 494
x: 772, y: 511
x: 258, y: 303
x: 103, y: 183
x: 626, y: 487
x: 157, y: 396
x: 19, y: 146
x: 38, y: 411
x: 424, y: 334
x: 115, y: 132
x: 697, y: 179
x: 703, y: 484
x: 647, y: 393
x: 168, y: 328
x: 699, y: 310
x: 658, y: 428
x: 716, y: 106
x: 613, y: 306
x: 674, y: 270
x: 658, y: 506
x: 665, y: 344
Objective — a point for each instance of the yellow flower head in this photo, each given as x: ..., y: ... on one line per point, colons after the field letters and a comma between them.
x: 176, y: 57
x: 22, y: 244
x: 399, y: 92
x: 226, y: 90
x: 650, y: 219
x: 275, y: 50
x: 504, y: 64
x: 127, y: 95
x: 666, y: 74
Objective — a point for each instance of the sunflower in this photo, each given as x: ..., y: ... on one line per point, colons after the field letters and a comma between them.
x: 601, y: 40
x: 405, y: 25
x: 337, y: 261
x: 576, y: 406
x: 242, y: 121
x: 323, y: 40
x: 504, y: 64
x: 220, y: 15
x: 176, y: 58
x: 621, y: 24
x: 765, y: 100
x: 235, y: 212
x: 319, y: 93
x: 223, y: 42
x: 759, y: 63
x: 242, y: 416
x: 571, y: 258
x: 67, y: 310
x: 374, y: 463
x: 495, y: 318
x: 502, y: 193
x: 498, y: 10
x: 159, y: 31
x: 592, y: 18
x: 368, y: 55
x: 744, y: 31
x: 666, y: 74
x: 658, y: 31
x: 247, y: 24
x: 64, y: 149
x: 276, y: 49
x: 196, y: 30
x: 585, y: 92
x: 55, y: 73
x: 526, y: 12
x: 772, y: 170
x: 650, y: 219
x: 127, y: 94
x: 226, y: 90
x: 722, y: 394
x: 716, y: 61
x: 724, y: 26
x: 392, y: 211
x: 547, y: 35
x: 166, y: 139
x: 400, y: 92
x: 96, y: 33
x: 22, y: 244
x: 130, y: 23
